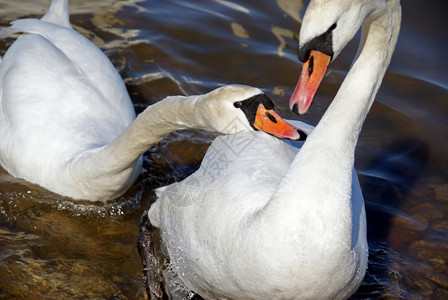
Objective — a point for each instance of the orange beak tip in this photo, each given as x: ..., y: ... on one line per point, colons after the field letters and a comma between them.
x: 270, y: 122
x: 295, y: 134
x: 303, y: 135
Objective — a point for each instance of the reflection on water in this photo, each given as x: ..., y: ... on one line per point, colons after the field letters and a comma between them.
x: 55, y: 248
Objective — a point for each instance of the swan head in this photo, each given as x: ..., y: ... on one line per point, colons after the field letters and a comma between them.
x: 238, y: 108
x: 327, y: 27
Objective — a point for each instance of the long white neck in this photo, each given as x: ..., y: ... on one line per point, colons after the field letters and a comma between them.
x: 116, y: 161
x: 321, y: 173
x: 174, y: 113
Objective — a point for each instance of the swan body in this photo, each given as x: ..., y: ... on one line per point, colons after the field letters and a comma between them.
x: 261, y: 219
x: 221, y: 248
x: 67, y: 122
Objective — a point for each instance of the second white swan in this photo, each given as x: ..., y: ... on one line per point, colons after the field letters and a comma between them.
x: 270, y: 223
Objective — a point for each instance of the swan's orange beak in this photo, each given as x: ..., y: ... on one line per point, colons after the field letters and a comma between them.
x: 270, y: 122
x: 313, y: 71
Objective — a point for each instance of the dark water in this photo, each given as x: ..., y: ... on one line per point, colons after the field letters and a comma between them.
x: 51, y: 247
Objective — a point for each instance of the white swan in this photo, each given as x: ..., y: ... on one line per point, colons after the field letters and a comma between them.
x: 257, y: 220
x: 67, y: 122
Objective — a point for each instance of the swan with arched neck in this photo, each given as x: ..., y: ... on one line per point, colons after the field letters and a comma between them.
x: 268, y: 221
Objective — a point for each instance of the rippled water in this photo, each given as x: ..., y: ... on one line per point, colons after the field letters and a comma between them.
x: 52, y: 247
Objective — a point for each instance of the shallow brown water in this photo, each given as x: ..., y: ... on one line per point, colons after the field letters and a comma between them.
x: 52, y: 247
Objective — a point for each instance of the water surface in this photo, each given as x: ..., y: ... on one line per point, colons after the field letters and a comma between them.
x: 52, y: 247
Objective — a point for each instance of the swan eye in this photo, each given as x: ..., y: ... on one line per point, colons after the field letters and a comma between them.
x: 332, y: 27
x: 238, y: 104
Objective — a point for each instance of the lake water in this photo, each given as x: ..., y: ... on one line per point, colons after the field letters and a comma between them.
x: 54, y: 248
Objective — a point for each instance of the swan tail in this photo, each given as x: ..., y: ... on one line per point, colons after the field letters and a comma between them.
x: 154, y: 213
x: 154, y: 210
x: 58, y: 13
x: 161, y: 190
